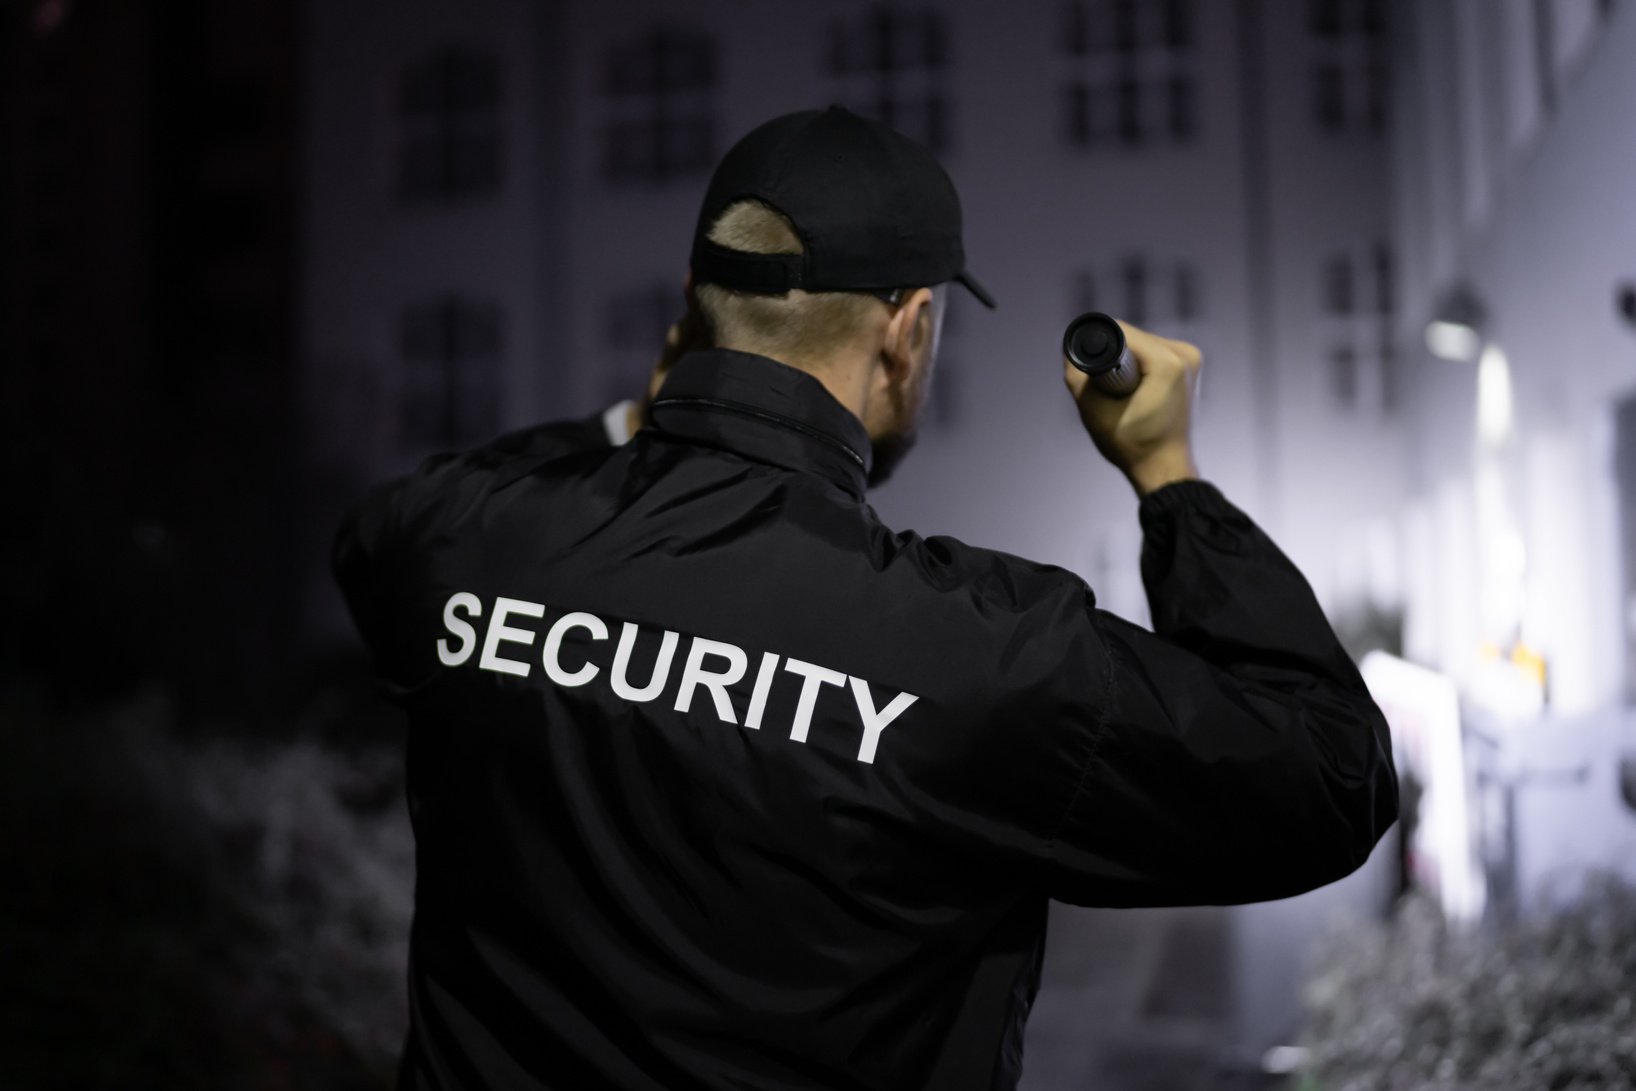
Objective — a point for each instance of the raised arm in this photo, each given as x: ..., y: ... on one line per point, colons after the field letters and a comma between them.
x: 1236, y: 755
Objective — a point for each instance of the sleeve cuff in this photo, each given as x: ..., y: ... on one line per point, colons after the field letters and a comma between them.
x: 1187, y: 493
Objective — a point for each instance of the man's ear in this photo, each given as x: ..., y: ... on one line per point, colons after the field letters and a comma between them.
x: 908, y: 327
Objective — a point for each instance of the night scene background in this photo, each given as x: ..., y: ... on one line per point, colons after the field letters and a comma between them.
x: 259, y: 255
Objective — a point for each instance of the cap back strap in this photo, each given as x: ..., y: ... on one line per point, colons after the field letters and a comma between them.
x: 762, y: 274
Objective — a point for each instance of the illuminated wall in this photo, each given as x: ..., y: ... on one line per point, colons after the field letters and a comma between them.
x: 1512, y: 178
x: 1511, y: 175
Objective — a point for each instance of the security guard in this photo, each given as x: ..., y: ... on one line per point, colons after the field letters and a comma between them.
x: 717, y: 782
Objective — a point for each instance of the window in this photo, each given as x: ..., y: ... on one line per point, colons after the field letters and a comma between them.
x: 1326, y: 18
x: 1080, y: 125
x: 1381, y: 258
x: 1181, y: 108
x: 1125, y: 37
x: 1177, y: 23
x: 1329, y: 98
x: 1187, y: 293
x: 1350, y: 75
x: 891, y: 64
x: 659, y: 91
x: 1354, y: 307
x: 449, y: 114
x: 1390, y: 378
x: 451, y: 356
x: 1129, y: 101
x: 1164, y: 295
x: 1129, y: 73
x: 1372, y: 18
x: 1338, y: 18
x: 1338, y: 286
x: 1134, y: 278
x: 1375, y: 88
x: 1343, y: 376
x: 1081, y: 34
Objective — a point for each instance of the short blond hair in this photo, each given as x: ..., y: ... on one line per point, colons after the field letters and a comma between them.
x: 797, y: 325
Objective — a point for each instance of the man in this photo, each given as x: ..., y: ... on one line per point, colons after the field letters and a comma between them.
x: 719, y: 783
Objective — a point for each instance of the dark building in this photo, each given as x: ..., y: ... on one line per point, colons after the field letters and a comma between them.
x: 146, y: 346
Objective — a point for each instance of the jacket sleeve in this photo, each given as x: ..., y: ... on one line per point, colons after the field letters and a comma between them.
x: 380, y: 543
x: 1236, y: 754
x: 361, y: 560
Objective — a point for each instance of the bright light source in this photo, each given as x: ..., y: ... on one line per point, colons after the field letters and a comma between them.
x: 1453, y: 341
x: 1283, y: 1060
x: 1423, y: 709
x: 1456, y: 328
x: 1508, y: 554
x: 1494, y: 411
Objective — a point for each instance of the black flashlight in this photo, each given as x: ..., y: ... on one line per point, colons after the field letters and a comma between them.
x: 1095, y: 344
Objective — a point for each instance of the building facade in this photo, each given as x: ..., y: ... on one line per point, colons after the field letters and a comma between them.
x: 148, y: 228
x: 500, y: 206
x: 1514, y: 227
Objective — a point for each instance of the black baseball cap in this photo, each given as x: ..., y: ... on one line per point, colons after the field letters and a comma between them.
x: 874, y: 209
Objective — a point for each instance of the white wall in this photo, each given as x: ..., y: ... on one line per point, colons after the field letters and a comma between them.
x: 1544, y: 231
x: 1331, y: 474
x: 1557, y: 238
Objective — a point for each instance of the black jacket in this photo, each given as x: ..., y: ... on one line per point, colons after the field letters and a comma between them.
x: 719, y: 783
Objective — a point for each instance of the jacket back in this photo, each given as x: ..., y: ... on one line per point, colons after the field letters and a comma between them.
x: 719, y: 783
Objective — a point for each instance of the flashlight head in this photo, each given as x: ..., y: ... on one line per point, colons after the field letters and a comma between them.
x: 1093, y: 342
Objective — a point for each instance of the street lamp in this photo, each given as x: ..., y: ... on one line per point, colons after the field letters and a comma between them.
x: 1456, y: 329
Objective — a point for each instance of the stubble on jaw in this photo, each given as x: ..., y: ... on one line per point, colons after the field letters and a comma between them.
x: 889, y: 451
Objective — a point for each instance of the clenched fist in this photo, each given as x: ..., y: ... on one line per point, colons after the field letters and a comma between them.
x: 1147, y: 435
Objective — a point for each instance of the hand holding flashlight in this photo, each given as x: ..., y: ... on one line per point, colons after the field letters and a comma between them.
x: 1134, y: 391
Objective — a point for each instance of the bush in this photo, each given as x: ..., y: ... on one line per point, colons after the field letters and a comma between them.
x: 1543, y: 1004
x: 212, y: 912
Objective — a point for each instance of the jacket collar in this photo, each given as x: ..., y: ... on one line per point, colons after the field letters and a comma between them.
x: 766, y: 410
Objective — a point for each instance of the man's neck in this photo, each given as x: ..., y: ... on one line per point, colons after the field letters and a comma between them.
x: 845, y: 375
